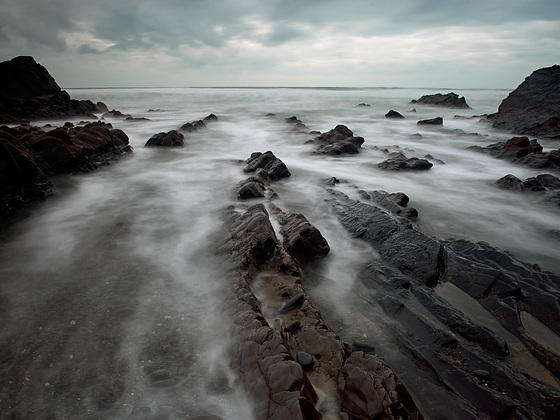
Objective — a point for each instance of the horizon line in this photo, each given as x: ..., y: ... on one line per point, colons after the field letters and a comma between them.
x: 291, y: 87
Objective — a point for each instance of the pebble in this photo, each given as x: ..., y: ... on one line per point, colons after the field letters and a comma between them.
x: 292, y: 303
x: 481, y: 373
x: 305, y: 360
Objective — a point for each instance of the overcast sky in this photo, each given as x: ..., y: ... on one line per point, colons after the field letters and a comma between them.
x: 408, y: 43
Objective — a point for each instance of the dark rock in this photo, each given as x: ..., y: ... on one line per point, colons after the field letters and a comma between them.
x: 401, y: 163
x: 210, y: 118
x: 510, y: 182
x: 549, y: 181
x: 292, y: 303
x: 363, y: 105
x: 305, y: 360
x: 29, y: 92
x: 522, y: 151
x: 393, y: 114
x: 331, y: 182
x: 170, y: 139
x: 298, y: 126
x: 301, y: 239
x: 273, y: 167
x: 200, y: 124
x: 431, y: 121
x: 340, y: 140
x: 533, y: 108
x: 251, y: 188
x: 136, y: 119
x: 533, y: 184
x: 115, y: 114
x: 448, y: 100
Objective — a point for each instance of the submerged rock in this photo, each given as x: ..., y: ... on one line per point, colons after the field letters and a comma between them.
x: 448, y: 100
x: 399, y: 162
x: 431, y: 121
x: 394, y: 114
x: 533, y: 108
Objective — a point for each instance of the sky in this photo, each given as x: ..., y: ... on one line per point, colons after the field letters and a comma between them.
x: 354, y: 43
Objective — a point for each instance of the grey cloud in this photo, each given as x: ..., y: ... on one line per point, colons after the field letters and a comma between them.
x: 86, y: 49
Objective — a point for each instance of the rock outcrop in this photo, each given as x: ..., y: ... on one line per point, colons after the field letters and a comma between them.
x: 450, y: 351
x: 522, y: 151
x: 199, y: 124
x: 394, y: 114
x: 28, y: 92
x: 448, y: 100
x: 28, y: 155
x: 338, y: 141
x: 170, y: 139
x: 399, y: 162
x: 431, y: 121
x: 290, y: 362
x: 533, y: 108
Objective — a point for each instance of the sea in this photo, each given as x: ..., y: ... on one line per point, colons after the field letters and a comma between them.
x: 112, y: 290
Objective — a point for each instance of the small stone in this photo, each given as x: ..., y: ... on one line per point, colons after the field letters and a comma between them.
x: 305, y: 360
x: 292, y: 303
x: 481, y: 373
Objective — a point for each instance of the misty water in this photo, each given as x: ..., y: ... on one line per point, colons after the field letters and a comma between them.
x: 112, y: 289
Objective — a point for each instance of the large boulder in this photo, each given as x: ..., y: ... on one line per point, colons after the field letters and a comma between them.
x: 533, y: 108
x: 28, y: 92
x: 170, y: 139
x: 448, y: 100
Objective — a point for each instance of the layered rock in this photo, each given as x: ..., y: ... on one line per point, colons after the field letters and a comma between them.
x: 29, y: 92
x: 290, y: 362
x: 29, y: 154
x: 338, y: 141
x: 533, y: 108
x: 522, y: 151
x: 447, y: 100
x: 467, y: 362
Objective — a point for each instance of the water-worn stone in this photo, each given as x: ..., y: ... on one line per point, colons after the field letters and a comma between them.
x: 270, y: 164
x: 394, y: 114
x: 399, y: 162
x: 431, y: 121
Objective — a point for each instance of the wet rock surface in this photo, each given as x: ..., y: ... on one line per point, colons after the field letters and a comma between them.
x: 438, y: 121
x: 545, y: 183
x: 170, y: 139
x: 394, y: 114
x: 533, y: 108
x: 399, y: 162
x: 28, y: 92
x: 199, y: 124
x: 447, y: 100
x: 470, y: 363
x: 338, y: 141
x: 286, y: 354
x: 29, y: 155
x: 523, y: 151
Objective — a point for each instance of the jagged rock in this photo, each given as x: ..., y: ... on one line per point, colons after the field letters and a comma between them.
x: 394, y: 114
x: 340, y: 140
x: 170, y: 139
x: 29, y: 92
x: 521, y: 150
x: 533, y: 108
x: 399, y: 162
x: 431, y: 121
x: 448, y: 100
x: 29, y: 154
x: 273, y: 167
x: 301, y: 239
x: 198, y: 125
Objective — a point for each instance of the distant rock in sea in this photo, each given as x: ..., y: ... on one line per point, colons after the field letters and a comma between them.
x: 448, y: 100
x: 533, y: 108
x: 29, y: 92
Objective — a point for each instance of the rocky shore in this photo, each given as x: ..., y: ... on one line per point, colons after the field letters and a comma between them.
x: 435, y: 319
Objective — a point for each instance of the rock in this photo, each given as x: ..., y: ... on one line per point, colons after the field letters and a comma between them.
x: 293, y: 303
x: 549, y: 181
x: 305, y: 360
x: 340, y: 140
x: 198, y: 125
x: 170, y: 139
x: 399, y: 162
x: 522, y: 151
x: 533, y: 184
x: 394, y: 114
x: 251, y: 188
x: 115, y: 114
x: 28, y: 155
x: 533, y: 108
x: 363, y: 105
x: 510, y: 182
x: 448, y: 100
x: 298, y: 126
x: 302, y: 240
x: 29, y: 92
x: 431, y: 121
x: 273, y: 167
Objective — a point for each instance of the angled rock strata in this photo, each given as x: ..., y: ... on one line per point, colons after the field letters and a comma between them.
x: 457, y: 360
x: 447, y: 100
x: 290, y: 362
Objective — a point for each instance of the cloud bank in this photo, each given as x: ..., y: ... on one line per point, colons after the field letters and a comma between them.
x: 418, y: 43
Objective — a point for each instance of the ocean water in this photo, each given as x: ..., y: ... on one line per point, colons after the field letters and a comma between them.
x: 111, y: 287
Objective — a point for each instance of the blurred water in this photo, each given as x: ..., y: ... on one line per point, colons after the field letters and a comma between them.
x: 118, y: 266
